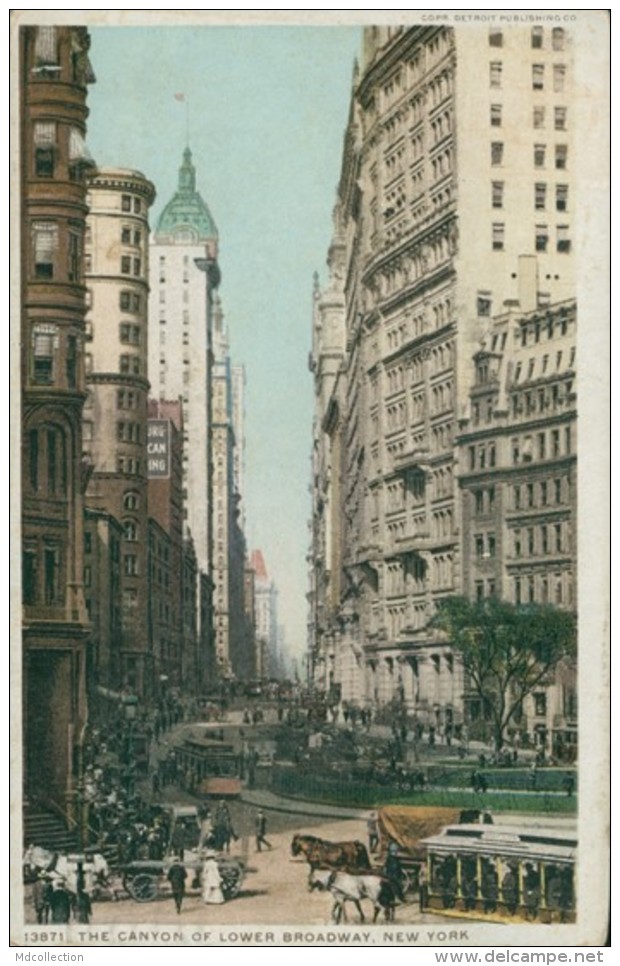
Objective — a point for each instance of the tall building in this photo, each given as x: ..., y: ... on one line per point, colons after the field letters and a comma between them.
x: 166, y: 570
x: 115, y: 412
x: 518, y: 478
x: 183, y: 281
x: 54, y: 72
x: 455, y: 203
x: 266, y: 616
x: 229, y: 541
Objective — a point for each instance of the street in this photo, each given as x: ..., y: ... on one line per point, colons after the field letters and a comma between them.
x: 274, y: 892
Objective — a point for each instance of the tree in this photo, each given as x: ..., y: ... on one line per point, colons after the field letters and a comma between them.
x: 507, y: 650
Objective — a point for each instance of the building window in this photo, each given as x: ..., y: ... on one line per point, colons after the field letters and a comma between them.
x: 495, y: 73
x: 137, y: 266
x: 538, y: 77
x: 130, y: 530
x: 496, y: 38
x: 483, y: 304
x: 542, y: 238
x: 44, y: 154
x: 498, y: 231
x: 539, y: 117
x: 559, y: 118
x: 497, y: 194
x: 479, y: 545
x: 45, y: 241
x: 561, y: 155
x: 516, y: 497
x: 46, y: 47
x: 130, y: 333
x: 129, y: 365
x: 71, y: 361
x: 540, y: 704
x: 130, y: 565
x: 558, y: 37
x: 561, y: 197
x: 125, y: 265
x: 126, y: 236
x: 44, y: 346
x: 73, y: 257
x: 51, y: 567
x: 517, y: 543
x: 497, y: 153
x: 540, y: 196
x: 537, y: 37
x: 496, y: 115
x: 539, y: 155
x: 517, y: 585
x: 542, y: 440
x: 559, y: 78
x: 126, y: 202
x: 563, y: 241
x: 131, y: 501
x: 137, y: 206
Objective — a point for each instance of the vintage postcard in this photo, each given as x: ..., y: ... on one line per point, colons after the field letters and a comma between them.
x: 310, y: 339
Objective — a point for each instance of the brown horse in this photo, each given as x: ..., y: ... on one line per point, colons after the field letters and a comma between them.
x: 320, y: 854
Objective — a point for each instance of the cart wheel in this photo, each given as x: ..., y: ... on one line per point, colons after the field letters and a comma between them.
x: 231, y: 881
x: 143, y: 887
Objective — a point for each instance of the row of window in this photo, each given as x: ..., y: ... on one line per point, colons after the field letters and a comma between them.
x: 528, y: 496
x: 541, y: 540
x: 524, y: 496
x: 543, y: 589
x: 551, y: 444
x: 541, y: 400
x: 558, y: 37
x: 538, y: 76
x: 540, y: 195
x: 539, y: 116
x: 540, y: 155
x: 531, y: 331
x: 541, y: 238
x: 41, y: 573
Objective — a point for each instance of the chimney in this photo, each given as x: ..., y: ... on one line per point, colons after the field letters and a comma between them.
x: 528, y: 282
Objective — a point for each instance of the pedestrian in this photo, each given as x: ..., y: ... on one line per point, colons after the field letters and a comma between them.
x: 41, y: 897
x: 177, y: 874
x: 372, y: 826
x: 60, y: 902
x: 82, y: 907
x: 569, y: 784
x: 393, y: 870
x: 423, y: 887
x: 261, y: 830
x: 211, y: 881
x: 510, y: 890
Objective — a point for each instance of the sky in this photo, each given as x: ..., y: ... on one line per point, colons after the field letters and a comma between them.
x: 267, y: 109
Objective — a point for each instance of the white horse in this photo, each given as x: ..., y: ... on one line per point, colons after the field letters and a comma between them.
x: 95, y: 869
x: 348, y: 887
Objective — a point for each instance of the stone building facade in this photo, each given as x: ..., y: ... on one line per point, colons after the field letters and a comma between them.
x: 115, y: 412
x: 518, y: 480
x: 454, y: 204
x: 54, y: 73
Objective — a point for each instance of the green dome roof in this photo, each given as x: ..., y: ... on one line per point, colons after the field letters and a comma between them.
x: 186, y: 211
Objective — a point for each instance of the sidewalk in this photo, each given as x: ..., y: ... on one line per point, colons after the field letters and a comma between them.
x: 277, y: 803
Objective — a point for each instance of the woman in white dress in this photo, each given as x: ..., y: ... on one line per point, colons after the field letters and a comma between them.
x: 211, y: 881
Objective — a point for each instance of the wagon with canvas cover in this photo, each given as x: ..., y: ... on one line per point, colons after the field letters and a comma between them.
x: 406, y: 826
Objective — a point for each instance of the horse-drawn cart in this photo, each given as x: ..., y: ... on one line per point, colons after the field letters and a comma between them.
x: 146, y: 880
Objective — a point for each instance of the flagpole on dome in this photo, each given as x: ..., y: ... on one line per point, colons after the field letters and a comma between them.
x: 183, y: 98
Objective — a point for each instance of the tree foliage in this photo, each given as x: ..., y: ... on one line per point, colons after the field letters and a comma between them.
x: 507, y: 650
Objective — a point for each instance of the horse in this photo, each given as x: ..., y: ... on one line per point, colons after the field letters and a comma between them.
x: 347, y: 887
x: 95, y: 869
x: 351, y: 856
